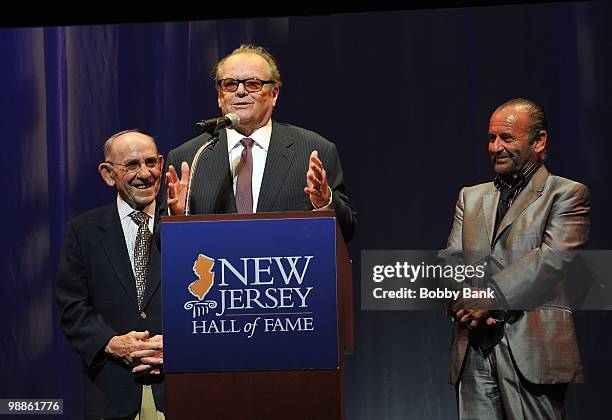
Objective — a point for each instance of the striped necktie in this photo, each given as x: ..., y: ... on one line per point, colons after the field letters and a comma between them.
x: 244, y: 190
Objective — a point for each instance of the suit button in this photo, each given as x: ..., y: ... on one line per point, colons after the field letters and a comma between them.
x: 143, y: 315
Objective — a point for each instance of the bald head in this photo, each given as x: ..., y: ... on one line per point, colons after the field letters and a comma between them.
x: 108, y: 144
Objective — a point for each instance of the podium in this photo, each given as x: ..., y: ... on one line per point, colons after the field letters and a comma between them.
x: 258, y: 315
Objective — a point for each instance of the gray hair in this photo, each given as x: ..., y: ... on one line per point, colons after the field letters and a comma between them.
x: 252, y: 49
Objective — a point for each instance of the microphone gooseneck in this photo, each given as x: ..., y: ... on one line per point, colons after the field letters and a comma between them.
x: 211, y: 126
x: 194, y: 163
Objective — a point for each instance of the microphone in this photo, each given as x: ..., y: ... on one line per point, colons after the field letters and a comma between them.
x: 215, y: 124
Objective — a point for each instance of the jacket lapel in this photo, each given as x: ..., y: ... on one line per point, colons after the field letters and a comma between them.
x: 490, y: 200
x: 114, y: 245
x: 278, y: 162
x: 212, y: 184
x: 532, y: 191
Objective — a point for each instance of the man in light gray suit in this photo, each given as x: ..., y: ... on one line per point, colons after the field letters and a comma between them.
x: 513, y: 356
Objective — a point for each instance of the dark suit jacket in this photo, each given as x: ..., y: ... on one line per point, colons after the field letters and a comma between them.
x: 530, y: 250
x: 284, y: 179
x: 96, y: 292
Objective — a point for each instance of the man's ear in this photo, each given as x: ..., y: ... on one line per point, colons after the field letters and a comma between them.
x: 106, y: 173
x: 161, y: 165
x: 275, y: 92
x: 539, y: 145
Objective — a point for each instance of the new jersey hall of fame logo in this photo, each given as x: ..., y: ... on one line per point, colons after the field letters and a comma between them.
x: 251, y: 295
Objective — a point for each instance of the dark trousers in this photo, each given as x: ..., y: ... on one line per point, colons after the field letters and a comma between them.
x: 491, y: 387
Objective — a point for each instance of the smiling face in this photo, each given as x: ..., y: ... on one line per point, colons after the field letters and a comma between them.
x: 509, y: 144
x: 138, y: 188
x: 255, y: 108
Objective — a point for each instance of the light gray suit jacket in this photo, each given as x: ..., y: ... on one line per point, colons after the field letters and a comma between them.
x: 530, y: 252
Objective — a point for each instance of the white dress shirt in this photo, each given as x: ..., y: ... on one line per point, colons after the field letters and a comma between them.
x: 261, y: 144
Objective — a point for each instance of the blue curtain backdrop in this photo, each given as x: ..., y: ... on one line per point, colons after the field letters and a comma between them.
x: 406, y: 96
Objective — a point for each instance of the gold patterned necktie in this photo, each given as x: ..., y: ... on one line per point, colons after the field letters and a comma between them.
x: 244, y: 190
x: 141, y: 253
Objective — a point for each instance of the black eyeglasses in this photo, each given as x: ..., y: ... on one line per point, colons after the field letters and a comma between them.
x: 250, y: 85
x: 134, y: 165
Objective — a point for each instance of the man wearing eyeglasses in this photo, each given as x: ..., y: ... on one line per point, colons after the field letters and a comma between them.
x: 260, y: 165
x: 108, y: 286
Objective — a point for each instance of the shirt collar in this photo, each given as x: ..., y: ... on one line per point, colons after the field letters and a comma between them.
x: 261, y: 137
x: 507, y: 182
x: 125, y: 209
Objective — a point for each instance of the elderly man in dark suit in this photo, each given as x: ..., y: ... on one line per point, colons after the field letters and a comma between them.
x: 108, y: 286
x: 513, y: 356
x: 259, y: 165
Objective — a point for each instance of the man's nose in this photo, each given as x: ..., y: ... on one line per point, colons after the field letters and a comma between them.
x: 241, y: 91
x: 143, y: 170
x: 495, y: 145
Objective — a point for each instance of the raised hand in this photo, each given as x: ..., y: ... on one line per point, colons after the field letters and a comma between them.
x: 316, y: 182
x: 177, y: 189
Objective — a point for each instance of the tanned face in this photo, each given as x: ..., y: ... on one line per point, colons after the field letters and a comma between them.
x: 509, y: 144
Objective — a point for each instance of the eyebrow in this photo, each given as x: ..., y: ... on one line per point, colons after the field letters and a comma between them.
x: 501, y: 133
x: 136, y: 159
x: 241, y: 78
